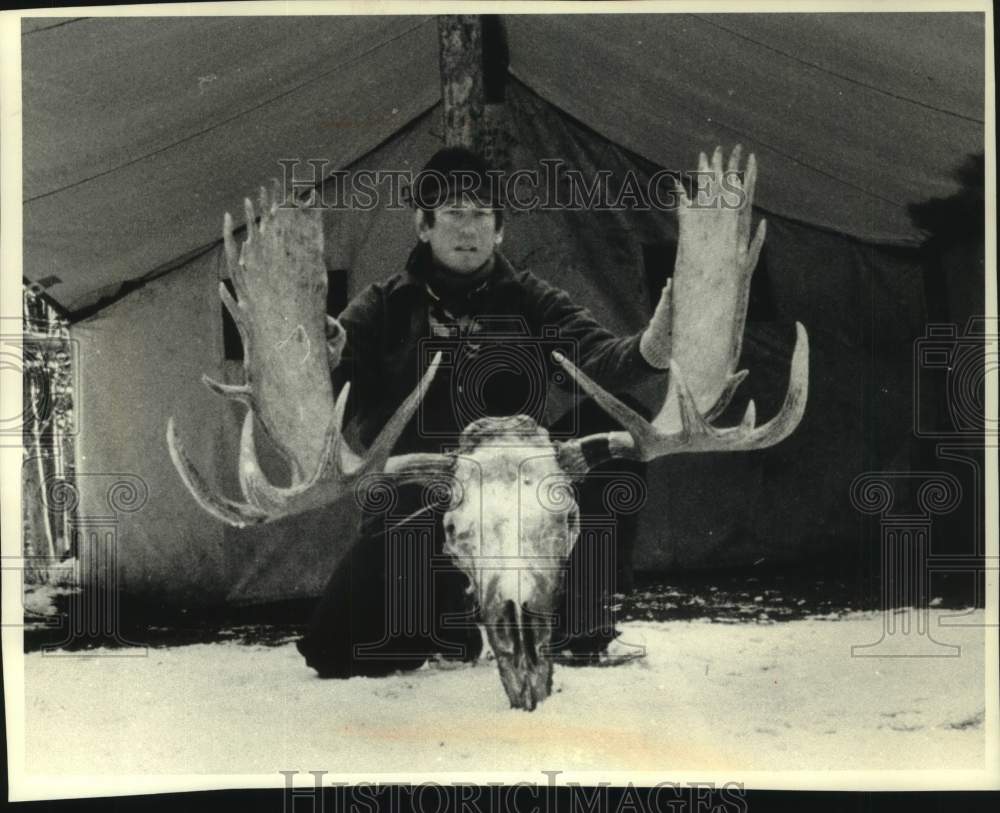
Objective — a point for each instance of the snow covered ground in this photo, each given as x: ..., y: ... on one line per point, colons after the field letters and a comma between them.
x: 708, y: 696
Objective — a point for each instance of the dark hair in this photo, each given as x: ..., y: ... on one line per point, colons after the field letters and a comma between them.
x: 457, y: 170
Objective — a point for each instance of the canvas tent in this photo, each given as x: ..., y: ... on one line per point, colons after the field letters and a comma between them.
x: 140, y: 133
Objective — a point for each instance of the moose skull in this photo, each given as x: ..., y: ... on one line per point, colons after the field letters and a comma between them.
x: 510, y: 528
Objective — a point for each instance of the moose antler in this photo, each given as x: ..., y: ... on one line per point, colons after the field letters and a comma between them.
x: 280, y: 283
x: 708, y: 298
x: 499, y: 531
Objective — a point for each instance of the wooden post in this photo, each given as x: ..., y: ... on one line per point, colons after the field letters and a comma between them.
x: 460, y: 37
x: 495, y: 141
x: 474, y: 59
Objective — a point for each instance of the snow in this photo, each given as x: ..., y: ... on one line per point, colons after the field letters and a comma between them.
x: 708, y: 696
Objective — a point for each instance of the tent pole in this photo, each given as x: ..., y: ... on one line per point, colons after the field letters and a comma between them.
x: 474, y: 59
x: 460, y: 39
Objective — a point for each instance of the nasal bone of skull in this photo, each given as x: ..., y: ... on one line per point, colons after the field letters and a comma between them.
x: 503, y: 605
x: 509, y: 586
x: 520, y: 634
x: 525, y: 672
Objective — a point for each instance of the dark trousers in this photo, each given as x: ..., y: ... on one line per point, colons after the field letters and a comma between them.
x: 396, y: 598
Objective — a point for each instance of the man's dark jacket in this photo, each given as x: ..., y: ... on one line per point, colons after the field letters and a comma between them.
x: 498, y: 362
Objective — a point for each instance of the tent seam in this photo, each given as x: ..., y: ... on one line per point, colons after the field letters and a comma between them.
x: 905, y: 243
x: 736, y: 131
x: 228, y: 120
x: 40, y: 29
x: 128, y: 287
x: 841, y: 76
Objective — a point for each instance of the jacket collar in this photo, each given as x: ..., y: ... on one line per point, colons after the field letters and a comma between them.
x: 412, y: 280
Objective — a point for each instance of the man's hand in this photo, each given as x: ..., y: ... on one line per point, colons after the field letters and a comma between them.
x: 336, y: 339
x: 656, y: 341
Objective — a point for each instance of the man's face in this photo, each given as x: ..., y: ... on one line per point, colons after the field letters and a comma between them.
x: 463, y: 237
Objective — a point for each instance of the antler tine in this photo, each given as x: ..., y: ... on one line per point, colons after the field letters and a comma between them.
x: 337, y: 451
x: 280, y: 282
x: 709, y: 292
x: 578, y: 456
x: 338, y: 467
x: 642, y: 440
x: 258, y: 490
x: 420, y: 466
x: 796, y: 397
x: 698, y: 435
x: 237, y: 392
x: 732, y: 384
x: 233, y: 513
x: 634, y: 423
x: 696, y: 428
x: 340, y: 464
x: 337, y: 462
x: 347, y: 466
x: 378, y: 453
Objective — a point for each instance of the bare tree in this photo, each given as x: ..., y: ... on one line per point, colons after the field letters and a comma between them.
x: 48, y: 471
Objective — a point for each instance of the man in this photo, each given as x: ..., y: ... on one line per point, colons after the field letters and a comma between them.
x: 391, y: 604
